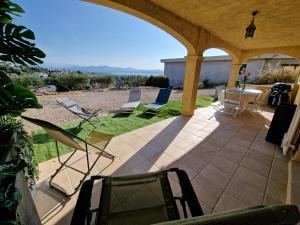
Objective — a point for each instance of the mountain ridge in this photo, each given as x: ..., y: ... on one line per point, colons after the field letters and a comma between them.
x: 107, y: 69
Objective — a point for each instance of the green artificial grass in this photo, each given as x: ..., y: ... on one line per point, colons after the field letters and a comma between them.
x: 45, y: 149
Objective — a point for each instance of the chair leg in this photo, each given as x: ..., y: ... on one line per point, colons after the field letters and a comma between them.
x: 236, y: 113
x: 85, y: 174
x: 91, y: 123
x: 98, y: 119
x: 63, y: 164
x: 80, y: 124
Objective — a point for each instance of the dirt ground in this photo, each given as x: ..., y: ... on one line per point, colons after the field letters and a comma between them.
x: 109, y: 101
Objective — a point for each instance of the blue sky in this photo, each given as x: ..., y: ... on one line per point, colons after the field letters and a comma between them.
x: 72, y: 32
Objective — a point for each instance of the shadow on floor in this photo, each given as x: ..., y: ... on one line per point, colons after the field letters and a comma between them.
x: 157, y: 144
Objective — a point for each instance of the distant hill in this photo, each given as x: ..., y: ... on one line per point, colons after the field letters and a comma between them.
x: 108, y: 70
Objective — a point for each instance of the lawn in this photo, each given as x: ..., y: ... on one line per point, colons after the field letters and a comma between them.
x: 45, y: 149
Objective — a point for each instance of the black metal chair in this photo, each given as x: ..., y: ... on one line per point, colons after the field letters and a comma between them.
x: 136, y: 200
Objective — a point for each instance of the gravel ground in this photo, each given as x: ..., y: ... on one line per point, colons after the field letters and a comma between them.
x: 109, y: 101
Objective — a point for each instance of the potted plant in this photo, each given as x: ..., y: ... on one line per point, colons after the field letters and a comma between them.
x: 244, y: 79
x: 16, y: 152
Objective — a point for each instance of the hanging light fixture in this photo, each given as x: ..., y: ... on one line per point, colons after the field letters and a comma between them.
x: 251, y: 27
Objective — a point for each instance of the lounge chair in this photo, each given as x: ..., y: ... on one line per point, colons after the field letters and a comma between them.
x: 85, y: 114
x: 134, y: 101
x: 94, y: 143
x: 137, y: 199
x: 162, y: 99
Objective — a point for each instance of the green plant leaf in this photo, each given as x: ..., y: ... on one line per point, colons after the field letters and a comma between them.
x: 5, y: 20
x: 9, y: 9
x: 16, y: 45
x: 15, y: 98
x: 11, y: 168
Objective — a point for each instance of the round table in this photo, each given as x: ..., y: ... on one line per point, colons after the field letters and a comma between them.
x: 248, y: 95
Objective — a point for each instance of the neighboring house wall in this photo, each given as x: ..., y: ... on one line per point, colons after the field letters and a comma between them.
x: 217, y: 68
x: 175, y: 72
x: 215, y: 71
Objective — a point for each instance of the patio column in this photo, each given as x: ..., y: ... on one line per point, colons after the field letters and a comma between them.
x: 191, y: 78
x: 234, y: 73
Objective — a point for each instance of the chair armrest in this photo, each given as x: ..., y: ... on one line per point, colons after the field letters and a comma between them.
x: 269, y: 215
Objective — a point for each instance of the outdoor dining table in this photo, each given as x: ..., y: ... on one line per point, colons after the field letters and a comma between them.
x: 247, y: 95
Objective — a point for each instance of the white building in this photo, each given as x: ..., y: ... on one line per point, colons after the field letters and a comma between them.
x: 217, y: 68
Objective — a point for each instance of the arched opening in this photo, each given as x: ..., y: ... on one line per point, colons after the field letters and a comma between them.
x: 215, y: 67
x: 271, y: 68
x: 268, y: 69
x: 169, y: 27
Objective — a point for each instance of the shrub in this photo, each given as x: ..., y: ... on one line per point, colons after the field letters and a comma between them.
x: 102, y: 81
x: 271, y: 78
x: 29, y: 81
x: 206, y: 83
x: 131, y: 81
x: 158, y: 81
x: 69, y: 82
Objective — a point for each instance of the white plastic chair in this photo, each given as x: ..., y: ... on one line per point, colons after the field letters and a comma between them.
x: 220, y: 95
x: 232, y: 102
x: 258, y: 103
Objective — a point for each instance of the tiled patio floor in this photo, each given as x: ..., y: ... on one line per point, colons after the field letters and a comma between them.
x: 228, y: 161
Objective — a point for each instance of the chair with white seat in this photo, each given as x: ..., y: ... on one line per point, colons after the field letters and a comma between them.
x: 258, y: 103
x: 232, y: 102
x: 220, y: 95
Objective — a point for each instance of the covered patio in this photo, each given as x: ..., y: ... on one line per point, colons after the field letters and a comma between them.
x: 228, y: 161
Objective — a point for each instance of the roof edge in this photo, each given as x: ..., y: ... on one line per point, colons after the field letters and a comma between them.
x: 228, y: 58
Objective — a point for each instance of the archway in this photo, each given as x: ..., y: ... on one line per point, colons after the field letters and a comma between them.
x: 215, y: 67
x: 272, y: 68
x: 153, y: 15
x: 267, y: 69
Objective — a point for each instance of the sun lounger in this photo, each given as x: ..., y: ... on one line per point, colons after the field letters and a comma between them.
x: 95, y: 143
x: 162, y: 99
x: 134, y: 101
x: 85, y: 114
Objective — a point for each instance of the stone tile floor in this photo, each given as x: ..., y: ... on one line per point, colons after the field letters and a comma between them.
x: 228, y: 161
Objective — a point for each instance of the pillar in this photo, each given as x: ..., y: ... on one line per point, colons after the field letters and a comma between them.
x: 234, y: 73
x: 190, y: 86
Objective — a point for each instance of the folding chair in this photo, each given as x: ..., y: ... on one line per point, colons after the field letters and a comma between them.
x: 254, y: 215
x: 85, y: 114
x: 133, y: 102
x: 140, y: 199
x: 94, y: 143
x: 161, y: 100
